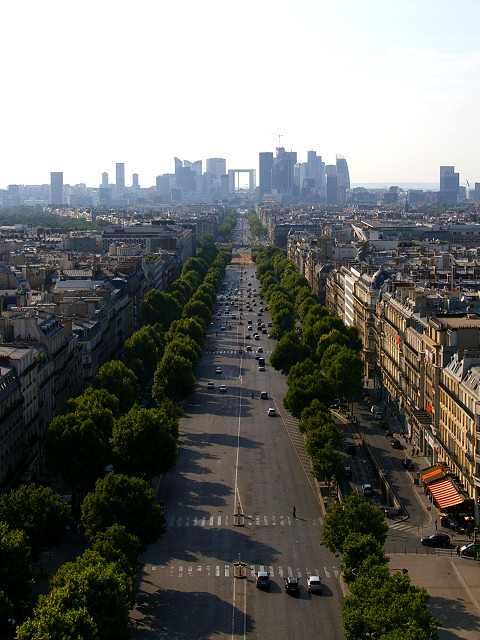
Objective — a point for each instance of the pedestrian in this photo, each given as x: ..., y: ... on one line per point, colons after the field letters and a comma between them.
x: 457, y: 549
x: 294, y: 511
x: 436, y: 525
x: 418, y: 452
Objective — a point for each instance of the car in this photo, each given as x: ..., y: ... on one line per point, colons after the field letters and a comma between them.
x: 396, y: 444
x: 263, y: 580
x: 249, y: 347
x: 261, y: 367
x: 367, y: 489
x: 257, y: 337
x: 264, y: 395
x: 223, y: 327
x: 247, y: 337
x: 218, y: 370
x: 407, y: 463
x: 469, y: 550
x: 292, y: 585
x: 314, y: 584
x: 210, y: 385
x: 260, y: 350
x: 348, y: 471
x: 351, y: 449
x: 436, y: 540
x: 269, y: 324
x: 271, y: 412
x: 264, y: 331
x: 334, y: 407
x: 223, y: 388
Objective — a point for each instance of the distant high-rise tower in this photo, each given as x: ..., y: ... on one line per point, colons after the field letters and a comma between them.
x: 119, y: 179
x: 283, y: 171
x: 449, y: 185
x: 56, y: 187
x: 216, y: 167
x: 316, y: 169
x: 104, y: 184
x: 332, y: 184
x: 135, y: 184
x: 265, y: 172
x: 342, y: 172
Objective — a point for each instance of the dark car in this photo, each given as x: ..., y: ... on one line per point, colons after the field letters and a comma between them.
x: 351, y: 449
x: 292, y: 586
x: 348, y: 471
x: 396, y: 444
x: 407, y: 463
x: 436, y: 540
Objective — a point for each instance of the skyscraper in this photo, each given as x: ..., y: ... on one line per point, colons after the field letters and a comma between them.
x: 119, y: 179
x: 265, y: 172
x: 449, y: 185
x: 135, y: 184
x: 56, y: 187
x: 216, y: 167
x: 342, y: 172
x: 104, y: 184
x: 283, y: 171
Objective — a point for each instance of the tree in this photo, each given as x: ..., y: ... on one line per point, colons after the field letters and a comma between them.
x: 197, y: 309
x: 327, y: 464
x: 15, y: 570
x: 118, y: 499
x: 191, y: 327
x: 344, y: 369
x: 143, y: 444
x: 118, y: 546
x: 160, y: 307
x: 118, y: 379
x: 52, y: 622
x: 353, y: 515
x: 183, y: 345
x: 76, y: 449
x: 306, y: 383
x: 283, y: 322
x: 324, y: 434
x: 387, y: 606
x: 98, y: 585
x: 335, y: 338
x: 142, y: 346
x: 39, y: 512
x: 173, y: 378
x: 98, y: 404
x: 288, y: 351
x: 360, y: 550
x: 314, y: 416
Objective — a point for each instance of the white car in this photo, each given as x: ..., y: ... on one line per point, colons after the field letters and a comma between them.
x: 314, y: 584
x: 367, y: 490
x: 223, y: 388
x: 218, y: 370
x: 271, y: 412
x: 210, y: 385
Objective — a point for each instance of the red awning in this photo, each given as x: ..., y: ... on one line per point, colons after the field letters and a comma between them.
x: 444, y: 493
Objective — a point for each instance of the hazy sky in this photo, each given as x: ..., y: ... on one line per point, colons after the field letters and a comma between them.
x: 392, y: 86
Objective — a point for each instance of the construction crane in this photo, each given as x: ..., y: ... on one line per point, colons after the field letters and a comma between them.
x: 280, y: 135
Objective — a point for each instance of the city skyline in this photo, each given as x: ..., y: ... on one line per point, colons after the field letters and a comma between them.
x: 392, y: 87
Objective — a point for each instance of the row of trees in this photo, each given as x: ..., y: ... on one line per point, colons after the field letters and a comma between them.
x: 319, y: 356
x: 256, y: 227
x: 228, y: 224
x: 101, y: 428
x: 381, y: 604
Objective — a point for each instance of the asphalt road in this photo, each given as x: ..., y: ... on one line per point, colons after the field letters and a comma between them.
x: 232, y: 456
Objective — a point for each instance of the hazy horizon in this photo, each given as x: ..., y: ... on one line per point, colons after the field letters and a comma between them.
x: 390, y: 86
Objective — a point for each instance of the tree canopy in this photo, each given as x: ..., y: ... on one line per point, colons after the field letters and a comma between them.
x: 118, y: 379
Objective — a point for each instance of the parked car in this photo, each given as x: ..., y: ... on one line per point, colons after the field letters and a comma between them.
x: 367, y: 489
x: 348, y: 471
x: 468, y: 550
x: 407, y: 463
x: 436, y: 540
x: 396, y: 444
x: 351, y: 449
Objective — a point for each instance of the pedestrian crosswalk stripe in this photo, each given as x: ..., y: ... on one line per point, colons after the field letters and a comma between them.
x: 265, y: 520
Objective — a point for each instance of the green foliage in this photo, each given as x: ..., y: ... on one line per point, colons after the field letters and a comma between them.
x: 118, y: 499
x: 173, y: 378
x: 360, y: 553
x: 320, y: 434
x: 387, y: 606
x: 353, y: 515
x: 288, y: 351
x: 192, y: 327
x: 197, y: 309
x: 344, y: 370
x: 256, y: 228
x: 143, y: 345
x: 118, y: 379
x: 315, y: 416
x: 183, y: 345
x: 143, y: 444
x: 159, y: 307
x: 327, y: 464
x: 100, y: 587
x: 118, y: 546
x: 98, y: 404
x: 195, y: 264
x: 15, y: 571
x: 306, y: 383
x: 39, y: 512
x: 56, y: 622
x: 283, y: 322
x: 77, y: 449
x: 335, y: 338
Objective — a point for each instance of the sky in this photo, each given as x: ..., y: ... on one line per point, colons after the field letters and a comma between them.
x: 391, y: 86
